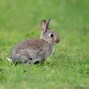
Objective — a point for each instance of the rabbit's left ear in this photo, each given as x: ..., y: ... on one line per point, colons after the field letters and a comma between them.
x: 44, y: 25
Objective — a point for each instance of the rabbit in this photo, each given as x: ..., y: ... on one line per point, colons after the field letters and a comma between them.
x: 33, y: 51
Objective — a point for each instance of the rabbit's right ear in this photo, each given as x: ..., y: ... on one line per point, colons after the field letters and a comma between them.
x: 44, y: 25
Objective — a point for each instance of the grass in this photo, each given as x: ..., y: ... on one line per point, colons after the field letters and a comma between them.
x: 68, y: 67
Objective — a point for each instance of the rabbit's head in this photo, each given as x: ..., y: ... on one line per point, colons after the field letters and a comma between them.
x: 47, y: 34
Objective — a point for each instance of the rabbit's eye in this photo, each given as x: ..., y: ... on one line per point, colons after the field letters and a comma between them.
x: 51, y: 35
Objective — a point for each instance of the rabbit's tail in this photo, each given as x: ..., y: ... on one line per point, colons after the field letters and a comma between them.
x: 9, y: 59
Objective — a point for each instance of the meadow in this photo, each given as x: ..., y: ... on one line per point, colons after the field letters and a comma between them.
x: 68, y: 67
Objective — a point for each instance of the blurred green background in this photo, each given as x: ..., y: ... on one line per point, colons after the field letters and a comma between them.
x: 68, y: 67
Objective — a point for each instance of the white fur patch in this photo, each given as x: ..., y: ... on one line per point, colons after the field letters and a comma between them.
x: 9, y: 59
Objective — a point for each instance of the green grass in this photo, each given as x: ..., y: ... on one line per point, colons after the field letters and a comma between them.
x: 68, y: 67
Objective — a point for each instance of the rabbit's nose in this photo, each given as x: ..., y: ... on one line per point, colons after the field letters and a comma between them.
x: 57, y: 40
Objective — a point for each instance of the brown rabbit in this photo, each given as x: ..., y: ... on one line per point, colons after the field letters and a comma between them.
x: 35, y: 51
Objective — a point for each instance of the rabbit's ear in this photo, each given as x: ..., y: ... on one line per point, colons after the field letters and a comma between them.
x: 44, y: 25
x: 47, y: 23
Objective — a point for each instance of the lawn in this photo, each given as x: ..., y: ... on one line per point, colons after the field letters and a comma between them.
x: 68, y: 67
